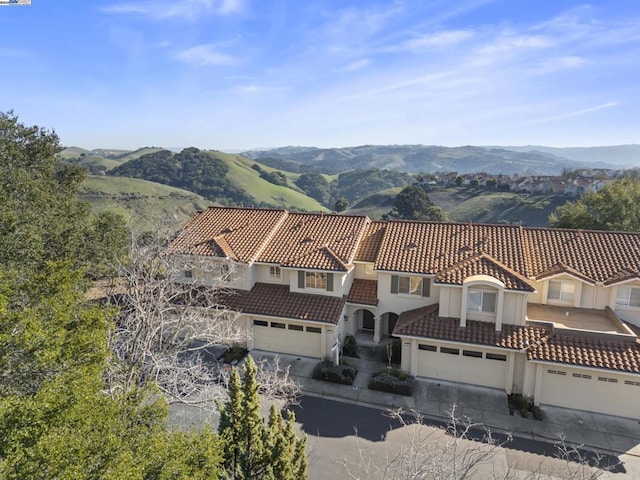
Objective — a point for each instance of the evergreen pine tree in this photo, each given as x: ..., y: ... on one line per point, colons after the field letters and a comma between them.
x: 255, y: 448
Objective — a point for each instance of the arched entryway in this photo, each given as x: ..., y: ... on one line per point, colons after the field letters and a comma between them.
x: 366, y: 320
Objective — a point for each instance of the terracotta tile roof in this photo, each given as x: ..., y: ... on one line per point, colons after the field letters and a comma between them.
x: 278, y: 301
x: 588, y: 352
x: 425, y: 322
x: 428, y: 248
x: 622, y: 276
x: 599, y: 256
x: 370, y: 243
x: 364, y: 292
x: 540, y: 343
x: 238, y: 233
x: 561, y: 268
x: 316, y: 241
x: 483, y: 264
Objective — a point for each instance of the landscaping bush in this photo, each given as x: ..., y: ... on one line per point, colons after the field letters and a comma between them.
x: 349, y: 346
x: 392, y: 380
x: 524, y: 405
x: 537, y: 413
x: 327, y: 371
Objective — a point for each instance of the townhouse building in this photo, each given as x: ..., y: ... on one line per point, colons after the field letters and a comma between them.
x: 553, y: 314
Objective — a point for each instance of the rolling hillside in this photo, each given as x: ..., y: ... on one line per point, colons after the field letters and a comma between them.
x: 464, y: 204
x: 141, y: 202
x: 416, y: 159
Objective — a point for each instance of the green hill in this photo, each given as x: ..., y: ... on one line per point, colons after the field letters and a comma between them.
x: 463, y: 204
x: 141, y: 202
x: 247, y: 179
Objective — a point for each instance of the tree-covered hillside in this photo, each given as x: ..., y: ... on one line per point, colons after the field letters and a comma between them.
x: 191, y: 169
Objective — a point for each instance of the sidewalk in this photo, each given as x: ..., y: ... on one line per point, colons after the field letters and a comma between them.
x: 433, y: 399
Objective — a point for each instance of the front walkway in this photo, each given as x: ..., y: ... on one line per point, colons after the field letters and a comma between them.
x: 434, y: 399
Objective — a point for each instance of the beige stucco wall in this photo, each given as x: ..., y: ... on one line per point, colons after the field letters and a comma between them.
x: 398, y: 303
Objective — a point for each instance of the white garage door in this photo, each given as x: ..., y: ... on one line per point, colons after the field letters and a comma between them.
x: 592, y: 391
x: 287, y: 337
x: 466, y: 365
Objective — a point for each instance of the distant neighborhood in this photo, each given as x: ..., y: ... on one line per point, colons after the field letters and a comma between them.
x: 570, y: 183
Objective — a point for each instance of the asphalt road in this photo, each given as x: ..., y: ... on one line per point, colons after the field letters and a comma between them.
x: 336, y: 450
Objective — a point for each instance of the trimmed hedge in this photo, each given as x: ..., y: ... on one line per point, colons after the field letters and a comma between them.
x: 327, y: 371
x: 392, y: 380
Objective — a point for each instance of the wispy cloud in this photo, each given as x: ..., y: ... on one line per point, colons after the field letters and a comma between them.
x: 438, y: 39
x: 583, y: 111
x: 187, y: 9
x: 253, y: 88
x: 204, y: 55
x: 357, y: 65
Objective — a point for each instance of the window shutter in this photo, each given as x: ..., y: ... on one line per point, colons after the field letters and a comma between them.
x: 300, y: 278
x: 329, y: 282
x: 426, y: 287
x: 394, y: 284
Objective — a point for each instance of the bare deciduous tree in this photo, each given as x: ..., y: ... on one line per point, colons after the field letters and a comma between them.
x: 462, y: 450
x: 172, y: 325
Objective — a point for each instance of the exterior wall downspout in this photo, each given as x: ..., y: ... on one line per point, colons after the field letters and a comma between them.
x: 537, y: 389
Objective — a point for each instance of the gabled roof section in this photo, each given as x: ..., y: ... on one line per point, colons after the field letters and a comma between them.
x: 560, y: 268
x: 277, y: 301
x: 425, y: 322
x: 370, y: 243
x: 428, y: 248
x: 623, y: 275
x: 237, y: 233
x: 316, y: 241
x: 595, y: 255
x: 483, y: 264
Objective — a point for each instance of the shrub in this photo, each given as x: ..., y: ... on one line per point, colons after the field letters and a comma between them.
x: 349, y: 346
x: 236, y: 352
x: 327, y: 371
x: 537, y: 412
x: 392, y: 380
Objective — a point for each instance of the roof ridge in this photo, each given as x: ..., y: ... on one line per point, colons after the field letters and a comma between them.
x: 335, y: 256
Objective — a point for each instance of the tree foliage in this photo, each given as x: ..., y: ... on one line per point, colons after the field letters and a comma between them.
x: 315, y: 186
x: 40, y: 217
x: 413, y: 203
x: 255, y: 448
x: 614, y: 207
x: 191, y: 169
x: 357, y: 184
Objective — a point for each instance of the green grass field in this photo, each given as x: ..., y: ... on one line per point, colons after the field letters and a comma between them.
x: 244, y: 177
x: 142, y: 203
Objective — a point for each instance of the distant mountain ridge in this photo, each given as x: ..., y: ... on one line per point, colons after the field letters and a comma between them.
x: 526, y: 160
x: 420, y: 159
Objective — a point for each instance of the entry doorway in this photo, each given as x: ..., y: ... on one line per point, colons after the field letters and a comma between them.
x: 368, y: 321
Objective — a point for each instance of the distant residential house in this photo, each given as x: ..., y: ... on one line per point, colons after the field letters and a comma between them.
x: 553, y: 314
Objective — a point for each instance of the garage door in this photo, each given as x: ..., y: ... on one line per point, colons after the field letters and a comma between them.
x: 466, y: 365
x: 592, y: 391
x: 287, y: 337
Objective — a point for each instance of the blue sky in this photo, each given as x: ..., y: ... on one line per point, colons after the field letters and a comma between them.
x: 237, y: 74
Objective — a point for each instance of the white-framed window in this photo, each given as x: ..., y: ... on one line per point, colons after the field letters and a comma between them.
x: 561, y: 291
x: 368, y: 269
x: 628, y: 297
x: 315, y: 280
x: 481, y: 301
x: 410, y: 285
x: 274, y: 272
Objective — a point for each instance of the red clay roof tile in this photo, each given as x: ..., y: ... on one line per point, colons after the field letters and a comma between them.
x: 363, y: 292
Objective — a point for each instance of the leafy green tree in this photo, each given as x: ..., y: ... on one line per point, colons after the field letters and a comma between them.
x: 255, y: 449
x: 57, y: 420
x: 40, y: 217
x: 614, y: 207
x: 341, y: 204
x: 314, y: 185
x: 413, y: 203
